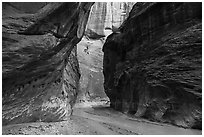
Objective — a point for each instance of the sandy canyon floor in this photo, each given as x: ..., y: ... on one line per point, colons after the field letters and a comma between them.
x: 96, y: 118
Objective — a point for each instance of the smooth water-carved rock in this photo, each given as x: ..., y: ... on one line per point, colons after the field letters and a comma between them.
x: 40, y: 69
x: 153, y: 66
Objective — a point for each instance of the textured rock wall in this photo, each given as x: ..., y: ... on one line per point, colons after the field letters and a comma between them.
x: 153, y: 65
x: 40, y: 70
x: 28, y: 7
x: 103, y: 16
x: 90, y: 57
x: 106, y: 15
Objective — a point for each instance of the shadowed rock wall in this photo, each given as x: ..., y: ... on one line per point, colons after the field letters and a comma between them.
x: 40, y: 69
x: 153, y: 66
x: 28, y: 7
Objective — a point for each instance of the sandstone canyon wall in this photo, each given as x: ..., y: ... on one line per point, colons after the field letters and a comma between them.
x: 153, y: 65
x: 27, y: 7
x: 107, y: 15
x: 90, y: 57
x: 103, y: 17
x: 40, y: 70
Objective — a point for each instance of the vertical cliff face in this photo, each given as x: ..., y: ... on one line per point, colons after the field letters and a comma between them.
x: 152, y: 66
x: 106, y: 15
x: 40, y: 69
x: 90, y: 56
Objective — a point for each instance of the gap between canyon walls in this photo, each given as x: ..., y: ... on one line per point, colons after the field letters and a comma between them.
x: 104, y: 18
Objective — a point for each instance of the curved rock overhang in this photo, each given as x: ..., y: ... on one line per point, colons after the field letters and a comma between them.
x: 40, y: 69
x: 153, y: 66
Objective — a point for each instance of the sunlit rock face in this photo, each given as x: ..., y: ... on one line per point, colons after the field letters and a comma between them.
x: 90, y: 56
x: 153, y: 66
x: 40, y: 72
x: 107, y: 15
x: 104, y: 17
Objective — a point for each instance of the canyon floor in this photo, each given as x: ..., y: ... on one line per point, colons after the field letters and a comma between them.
x: 96, y: 118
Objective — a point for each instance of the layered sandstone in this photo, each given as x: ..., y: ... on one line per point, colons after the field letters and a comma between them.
x: 40, y: 70
x: 153, y: 65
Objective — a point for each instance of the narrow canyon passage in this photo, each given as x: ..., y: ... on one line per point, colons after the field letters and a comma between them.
x: 102, y: 68
x: 103, y: 19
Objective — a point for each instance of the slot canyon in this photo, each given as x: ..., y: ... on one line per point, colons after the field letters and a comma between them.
x: 101, y: 68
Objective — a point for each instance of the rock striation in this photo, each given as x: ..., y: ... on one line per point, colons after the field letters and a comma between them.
x: 106, y: 16
x: 40, y: 72
x: 153, y: 64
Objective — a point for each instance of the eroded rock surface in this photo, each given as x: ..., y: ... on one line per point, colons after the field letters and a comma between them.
x: 106, y: 15
x: 103, y: 19
x: 40, y: 69
x: 90, y: 57
x: 27, y: 7
x: 153, y: 66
